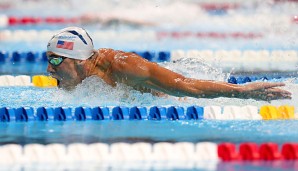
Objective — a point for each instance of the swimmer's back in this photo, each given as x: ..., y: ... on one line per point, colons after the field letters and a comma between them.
x: 123, y: 66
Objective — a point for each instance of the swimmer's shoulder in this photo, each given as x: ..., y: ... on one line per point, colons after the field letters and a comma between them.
x: 113, y: 54
x: 109, y: 51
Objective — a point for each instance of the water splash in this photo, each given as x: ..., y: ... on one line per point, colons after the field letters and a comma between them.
x: 197, y: 67
x: 95, y: 92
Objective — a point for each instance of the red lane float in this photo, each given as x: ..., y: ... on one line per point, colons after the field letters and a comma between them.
x: 227, y: 152
x: 251, y: 152
x: 269, y: 151
x: 290, y: 151
x: 37, y: 20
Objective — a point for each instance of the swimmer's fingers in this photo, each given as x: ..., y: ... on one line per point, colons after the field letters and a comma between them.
x: 271, y: 97
x: 270, y: 94
x: 277, y: 93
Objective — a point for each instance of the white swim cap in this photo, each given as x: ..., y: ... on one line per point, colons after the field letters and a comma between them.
x: 72, y: 42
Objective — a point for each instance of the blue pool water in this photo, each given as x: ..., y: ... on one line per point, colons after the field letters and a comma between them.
x: 149, y: 131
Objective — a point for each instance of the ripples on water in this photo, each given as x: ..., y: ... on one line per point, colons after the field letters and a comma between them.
x: 148, y: 131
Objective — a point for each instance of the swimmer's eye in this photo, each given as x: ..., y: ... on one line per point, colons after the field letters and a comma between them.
x: 56, y: 60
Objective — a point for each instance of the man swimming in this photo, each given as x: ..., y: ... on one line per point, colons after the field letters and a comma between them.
x: 72, y: 58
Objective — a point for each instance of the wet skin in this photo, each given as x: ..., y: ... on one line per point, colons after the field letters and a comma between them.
x: 128, y: 68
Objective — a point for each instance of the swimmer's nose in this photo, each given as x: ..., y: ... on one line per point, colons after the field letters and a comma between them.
x: 50, y: 69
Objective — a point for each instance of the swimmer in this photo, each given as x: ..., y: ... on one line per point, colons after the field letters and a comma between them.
x: 72, y: 58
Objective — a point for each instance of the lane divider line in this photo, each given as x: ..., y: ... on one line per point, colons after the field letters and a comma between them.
x: 172, y: 113
x: 141, y: 151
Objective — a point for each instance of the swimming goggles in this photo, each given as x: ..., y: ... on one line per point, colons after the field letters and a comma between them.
x: 56, y: 60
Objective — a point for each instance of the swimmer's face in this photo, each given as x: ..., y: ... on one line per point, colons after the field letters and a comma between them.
x: 68, y: 72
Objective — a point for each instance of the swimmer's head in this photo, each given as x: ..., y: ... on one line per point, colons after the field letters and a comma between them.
x: 70, y: 53
x: 72, y: 42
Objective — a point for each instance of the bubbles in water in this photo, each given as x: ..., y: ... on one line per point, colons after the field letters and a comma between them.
x: 95, y: 92
x: 25, y: 97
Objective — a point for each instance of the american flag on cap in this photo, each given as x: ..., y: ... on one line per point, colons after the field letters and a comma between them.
x: 64, y: 45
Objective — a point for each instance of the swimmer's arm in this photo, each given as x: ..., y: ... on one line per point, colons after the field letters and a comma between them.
x: 169, y: 82
x: 161, y: 79
x: 175, y: 84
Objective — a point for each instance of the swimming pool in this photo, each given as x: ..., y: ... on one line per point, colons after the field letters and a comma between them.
x: 217, y: 45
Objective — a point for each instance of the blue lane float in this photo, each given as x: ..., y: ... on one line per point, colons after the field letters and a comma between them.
x: 120, y: 113
x: 137, y: 113
x: 27, y: 114
x: 195, y: 112
x: 30, y: 56
x: 24, y: 114
x: 62, y: 114
x: 21, y: 57
x: 16, y: 57
x: 175, y: 113
x: 157, y: 113
x: 247, y: 79
x: 44, y: 57
x: 21, y: 114
x: 3, y: 56
x: 82, y: 114
x: 45, y: 114
x: 147, y: 55
x: 100, y: 113
x: 164, y: 56
x: 7, y: 114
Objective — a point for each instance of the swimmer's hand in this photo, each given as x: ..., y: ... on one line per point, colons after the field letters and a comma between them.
x: 264, y: 91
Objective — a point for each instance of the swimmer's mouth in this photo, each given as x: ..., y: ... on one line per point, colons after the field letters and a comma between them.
x: 58, y: 80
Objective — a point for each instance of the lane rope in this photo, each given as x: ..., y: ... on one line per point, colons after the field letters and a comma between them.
x: 172, y: 113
